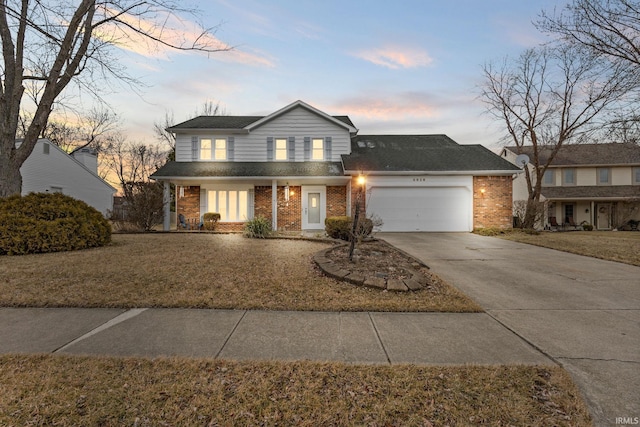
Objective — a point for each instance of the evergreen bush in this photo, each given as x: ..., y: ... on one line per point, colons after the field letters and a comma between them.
x: 39, y: 222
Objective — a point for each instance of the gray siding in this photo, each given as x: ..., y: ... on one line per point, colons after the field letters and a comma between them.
x: 297, y: 123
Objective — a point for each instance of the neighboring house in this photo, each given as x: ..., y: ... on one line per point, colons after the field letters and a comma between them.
x: 49, y: 170
x: 597, y: 184
x: 299, y: 165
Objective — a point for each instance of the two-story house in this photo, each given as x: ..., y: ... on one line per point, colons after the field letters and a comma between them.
x: 299, y: 165
x: 597, y: 184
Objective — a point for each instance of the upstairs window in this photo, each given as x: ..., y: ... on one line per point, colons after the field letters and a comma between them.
x: 636, y: 175
x: 205, y: 149
x: 549, y: 177
x: 604, y: 176
x: 569, y: 176
x: 317, y: 149
x: 221, y: 149
x: 281, y: 149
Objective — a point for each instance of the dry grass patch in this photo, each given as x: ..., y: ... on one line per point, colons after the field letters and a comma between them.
x: 200, y: 271
x: 620, y: 246
x: 55, y: 390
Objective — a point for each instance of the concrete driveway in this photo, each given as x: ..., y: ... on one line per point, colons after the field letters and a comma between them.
x: 580, y: 311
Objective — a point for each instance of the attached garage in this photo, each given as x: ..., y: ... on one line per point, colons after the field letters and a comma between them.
x: 429, y: 203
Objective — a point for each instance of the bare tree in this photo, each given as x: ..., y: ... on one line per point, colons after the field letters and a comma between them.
x: 606, y: 27
x: 549, y: 97
x: 48, y: 44
x: 133, y: 164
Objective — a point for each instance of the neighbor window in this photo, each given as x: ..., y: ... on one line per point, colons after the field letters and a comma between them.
x: 549, y: 177
x: 569, y: 176
x: 604, y: 176
x: 45, y: 148
x: 317, y: 149
x: 231, y: 205
x: 205, y: 149
x: 221, y: 149
x: 636, y: 175
x: 281, y: 149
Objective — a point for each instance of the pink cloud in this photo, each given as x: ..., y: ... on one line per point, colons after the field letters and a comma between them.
x: 396, y: 57
x: 399, y: 106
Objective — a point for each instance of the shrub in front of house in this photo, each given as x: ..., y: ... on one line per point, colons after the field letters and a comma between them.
x: 341, y: 227
x: 257, y: 228
x: 210, y: 220
x: 39, y: 223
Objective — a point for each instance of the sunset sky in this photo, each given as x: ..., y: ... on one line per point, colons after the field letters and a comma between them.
x: 409, y: 66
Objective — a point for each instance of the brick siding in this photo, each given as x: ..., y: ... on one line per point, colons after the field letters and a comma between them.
x: 290, y: 212
x: 336, y: 201
x: 494, y: 207
x: 189, y: 206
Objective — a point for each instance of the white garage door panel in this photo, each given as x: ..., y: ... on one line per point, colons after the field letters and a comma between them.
x: 422, y: 208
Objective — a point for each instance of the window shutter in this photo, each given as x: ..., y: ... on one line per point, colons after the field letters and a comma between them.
x: 307, y: 148
x: 270, y: 148
x: 230, y: 148
x: 194, y: 148
x: 292, y: 148
x: 327, y: 148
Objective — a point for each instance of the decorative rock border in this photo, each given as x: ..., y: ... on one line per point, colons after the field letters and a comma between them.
x: 371, y: 279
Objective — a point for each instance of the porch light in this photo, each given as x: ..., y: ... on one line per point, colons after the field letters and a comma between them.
x: 482, y: 191
x: 361, y: 179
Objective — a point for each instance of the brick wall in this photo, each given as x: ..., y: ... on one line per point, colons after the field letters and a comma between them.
x: 189, y: 205
x: 262, y: 202
x: 290, y: 212
x: 493, y: 208
x: 354, y: 195
x: 336, y: 200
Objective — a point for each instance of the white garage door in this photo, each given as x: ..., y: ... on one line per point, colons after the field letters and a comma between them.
x: 422, y: 208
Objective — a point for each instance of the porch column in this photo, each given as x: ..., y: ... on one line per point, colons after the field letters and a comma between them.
x: 166, y: 205
x: 274, y: 204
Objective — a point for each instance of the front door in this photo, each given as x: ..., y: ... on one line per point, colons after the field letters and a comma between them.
x: 313, y: 207
x: 603, y: 216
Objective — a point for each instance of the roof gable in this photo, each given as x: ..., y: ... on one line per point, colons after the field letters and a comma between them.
x: 586, y: 154
x: 421, y: 153
x: 249, y: 123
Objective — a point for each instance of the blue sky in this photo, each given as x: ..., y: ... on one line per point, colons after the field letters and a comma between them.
x: 394, y: 67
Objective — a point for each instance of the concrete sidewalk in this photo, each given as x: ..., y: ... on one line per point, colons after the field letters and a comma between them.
x: 367, y: 338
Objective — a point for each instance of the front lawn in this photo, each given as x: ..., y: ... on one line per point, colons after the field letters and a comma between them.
x: 65, y: 390
x: 196, y: 270
x: 620, y: 246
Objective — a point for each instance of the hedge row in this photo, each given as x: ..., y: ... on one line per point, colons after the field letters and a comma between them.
x: 341, y: 227
x: 39, y: 222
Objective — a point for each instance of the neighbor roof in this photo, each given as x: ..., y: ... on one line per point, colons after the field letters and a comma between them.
x: 591, y: 192
x: 253, y: 169
x: 587, y: 154
x: 421, y: 153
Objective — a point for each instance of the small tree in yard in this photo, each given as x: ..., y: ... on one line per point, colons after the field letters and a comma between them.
x: 144, y: 204
x: 522, y: 207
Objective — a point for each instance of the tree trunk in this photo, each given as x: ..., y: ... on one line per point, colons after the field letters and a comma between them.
x: 10, y: 177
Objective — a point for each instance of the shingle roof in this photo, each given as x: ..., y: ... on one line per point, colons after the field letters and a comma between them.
x: 230, y: 122
x: 592, y: 192
x: 415, y: 153
x: 588, y: 154
x: 257, y: 169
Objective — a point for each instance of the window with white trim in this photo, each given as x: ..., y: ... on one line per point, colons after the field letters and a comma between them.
x: 281, y: 149
x: 317, y: 149
x: 232, y: 205
x: 604, y: 176
x: 549, y: 177
x: 205, y: 149
x: 221, y: 149
x: 568, y: 176
x: 636, y: 175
